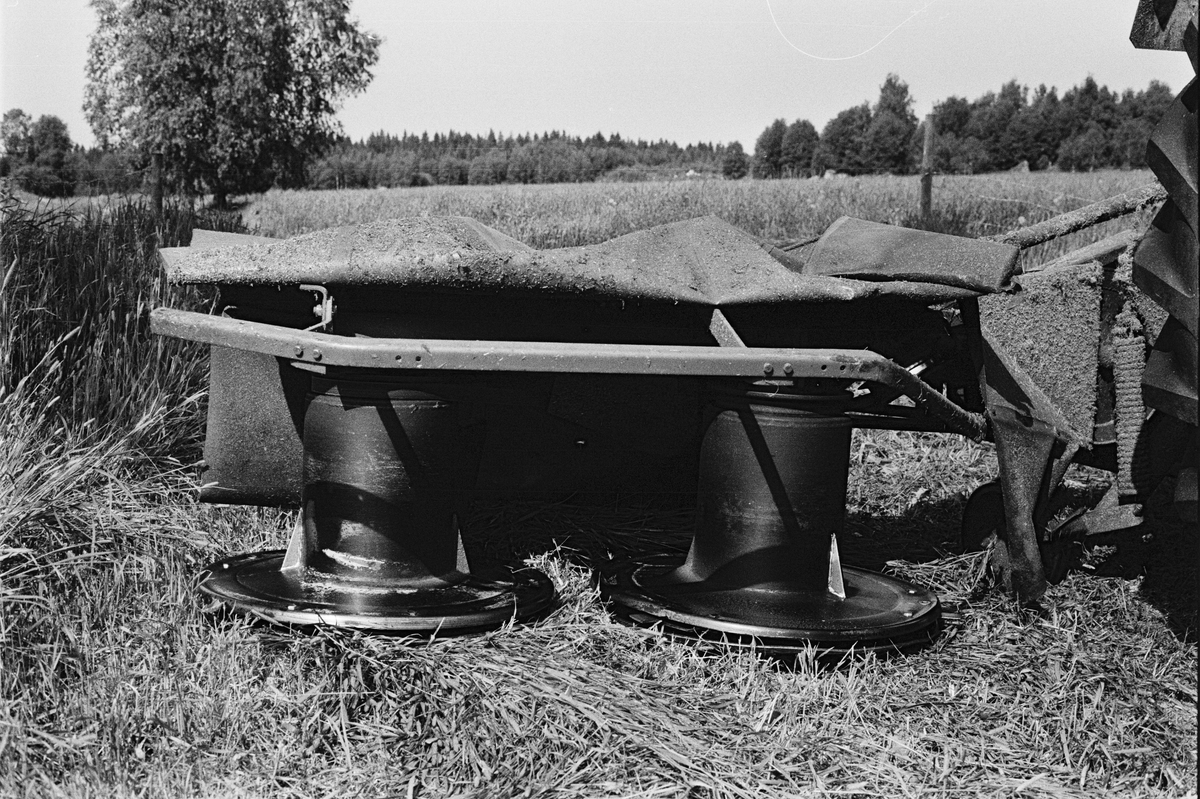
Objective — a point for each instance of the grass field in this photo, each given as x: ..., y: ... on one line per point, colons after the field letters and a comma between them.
x: 116, y: 679
x: 567, y: 215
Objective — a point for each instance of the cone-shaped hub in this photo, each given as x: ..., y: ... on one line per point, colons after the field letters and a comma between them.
x: 772, y: 494
x: 378, y: 545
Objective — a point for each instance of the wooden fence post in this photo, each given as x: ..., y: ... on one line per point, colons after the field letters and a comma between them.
x: 156, y: 189
x: 927, y: 171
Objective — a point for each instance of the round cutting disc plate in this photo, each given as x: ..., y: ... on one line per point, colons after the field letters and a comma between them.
x: 255, y: 583
x: 879, y: 613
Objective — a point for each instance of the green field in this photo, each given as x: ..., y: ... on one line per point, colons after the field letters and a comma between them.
x: 117, y: 679
x: 566, y: 215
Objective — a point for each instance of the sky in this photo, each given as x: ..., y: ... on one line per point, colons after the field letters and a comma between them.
x: 681, y: 70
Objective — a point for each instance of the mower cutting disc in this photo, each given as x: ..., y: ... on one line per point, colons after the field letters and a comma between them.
x: 256, y: 583
x: 878, y: 614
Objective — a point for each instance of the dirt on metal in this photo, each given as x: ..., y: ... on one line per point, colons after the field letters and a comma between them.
x: 1051, y: 326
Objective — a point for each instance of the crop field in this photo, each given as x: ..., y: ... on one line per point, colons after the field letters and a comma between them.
x: 566, y: 215
x: 118, y: 679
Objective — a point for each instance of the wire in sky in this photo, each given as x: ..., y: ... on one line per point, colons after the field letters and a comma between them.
x: 886, y: 36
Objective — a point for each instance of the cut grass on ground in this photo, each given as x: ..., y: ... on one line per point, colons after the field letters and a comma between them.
x: 118, y: 679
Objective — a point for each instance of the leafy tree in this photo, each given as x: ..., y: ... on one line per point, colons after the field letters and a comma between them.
x: 14, y: 135
x: 522, y: 164
x: 452, y: 171
x: 489, y: 168
x: 951, y: 116
x: 39, y: 155
x: 49, y: 137
x: 991, y: 117
x: 799, y: 144
x: 236, y: 94
x: 1087, y: 150
x: 894, y: 99
x: 886, y: 143
x: 1090, y: 103
x: 841, y: 145
x: 960, y: 155
x: 1149, y: 104
x: 735, y: 164
x: 1128, y: 143
x: 559, y: 162
x: 1038, y: 128
x: 768, y: 150
x: 103, y: 172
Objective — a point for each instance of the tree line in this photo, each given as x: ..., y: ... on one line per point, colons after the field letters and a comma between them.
x: 456, y: 158
x: 40, y: 157
x: 1088, y: 127
x: 261, y: 80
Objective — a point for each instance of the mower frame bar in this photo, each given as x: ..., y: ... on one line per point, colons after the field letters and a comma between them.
x: 327, y: 350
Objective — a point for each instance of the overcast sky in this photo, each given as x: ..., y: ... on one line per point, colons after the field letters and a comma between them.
x: 683, y: 70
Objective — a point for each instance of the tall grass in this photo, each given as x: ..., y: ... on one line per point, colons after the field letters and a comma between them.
x: 566, y: 215
x: 77, y: 291
x: 88, y: 397
x: 94, y: 414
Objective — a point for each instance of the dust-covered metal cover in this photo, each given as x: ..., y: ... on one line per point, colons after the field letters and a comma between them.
x: 704, y: 261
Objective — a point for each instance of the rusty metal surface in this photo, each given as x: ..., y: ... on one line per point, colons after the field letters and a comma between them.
x: 703, y: 261
x: 855, y: 248
x: 325, y: 350
x: 723, y: 331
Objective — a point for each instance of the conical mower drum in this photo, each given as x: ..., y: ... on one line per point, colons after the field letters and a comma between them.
x: 763, y: 568
x: 378, y: 546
